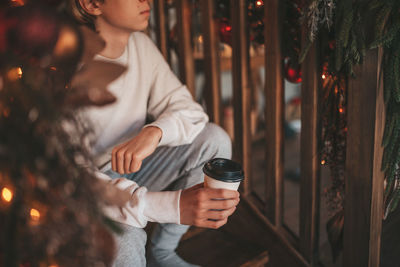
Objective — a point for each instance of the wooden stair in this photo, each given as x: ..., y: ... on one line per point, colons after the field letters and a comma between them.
x: 216, y: 248
x: 238, y: 243
x: 247, y: 240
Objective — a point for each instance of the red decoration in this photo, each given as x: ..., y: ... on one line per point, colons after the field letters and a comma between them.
x: 292, y: 73
x: 36, y: 31
x: 5, y: 24
x: 225, y: 31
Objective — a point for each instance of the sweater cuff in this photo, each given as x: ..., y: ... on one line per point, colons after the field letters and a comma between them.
x: 166, y: 126
x: 162, y: 207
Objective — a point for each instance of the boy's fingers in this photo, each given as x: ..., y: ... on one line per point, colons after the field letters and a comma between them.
x: 197, y: 186
x: 220, y: 214
x: 222, y: 204
x: 113, y: 162
x: 222, y: 193
x: 214, y: 224
x: 127, y: 162
x: 120, y: 161
x: 135, y: 165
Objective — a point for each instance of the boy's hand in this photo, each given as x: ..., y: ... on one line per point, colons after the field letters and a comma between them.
x: 207, y: 207
x: 128, y: 157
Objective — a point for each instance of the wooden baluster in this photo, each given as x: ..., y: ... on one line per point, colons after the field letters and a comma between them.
x: 273, y: 113
x: 241, y: 89
x: 161, y: 27
x: 186, y: 64
x: 310, y: 160
x: 211, y: 62
x: 364, y: 179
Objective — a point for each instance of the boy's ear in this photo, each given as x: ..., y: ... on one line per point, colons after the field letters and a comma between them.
x: 92, y: 7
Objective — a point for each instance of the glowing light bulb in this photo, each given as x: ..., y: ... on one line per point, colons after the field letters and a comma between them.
x: 67, y: 42
x: 17, y: 2
x: 7, y: 194
x: 323, y: 76
x: 323, y: 162
x: 14, y: 74
x: 341, y: 110
x: 35, y: 215
x: 259, y: 3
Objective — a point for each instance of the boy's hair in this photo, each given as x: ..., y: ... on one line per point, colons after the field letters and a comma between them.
x: 80, y: 15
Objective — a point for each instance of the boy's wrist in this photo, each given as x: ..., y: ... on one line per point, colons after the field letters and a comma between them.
x: 153, y: 131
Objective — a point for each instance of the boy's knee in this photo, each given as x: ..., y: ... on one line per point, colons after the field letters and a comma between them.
x: 217, y: 140
x: 130, y: 247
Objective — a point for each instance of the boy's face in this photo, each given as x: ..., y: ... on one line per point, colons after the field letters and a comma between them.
x: 129, y: 15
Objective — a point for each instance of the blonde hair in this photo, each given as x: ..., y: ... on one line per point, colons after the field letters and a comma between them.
x: 80, y: 15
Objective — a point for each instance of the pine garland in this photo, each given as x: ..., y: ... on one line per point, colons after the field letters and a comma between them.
x: 352, y: 21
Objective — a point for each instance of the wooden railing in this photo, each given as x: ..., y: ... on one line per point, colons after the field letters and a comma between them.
x: 364, y: 180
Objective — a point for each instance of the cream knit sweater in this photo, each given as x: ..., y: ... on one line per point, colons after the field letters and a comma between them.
x: 147, y: 90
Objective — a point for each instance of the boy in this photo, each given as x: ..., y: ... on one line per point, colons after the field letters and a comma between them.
x: 167, y: 154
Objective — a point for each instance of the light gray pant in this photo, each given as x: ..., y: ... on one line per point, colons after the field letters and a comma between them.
x: 169, y: 168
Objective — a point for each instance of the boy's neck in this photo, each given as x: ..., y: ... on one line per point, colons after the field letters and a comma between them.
x: 115, y: 38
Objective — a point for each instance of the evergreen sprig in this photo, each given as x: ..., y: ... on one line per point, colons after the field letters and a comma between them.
x: 353, y: 21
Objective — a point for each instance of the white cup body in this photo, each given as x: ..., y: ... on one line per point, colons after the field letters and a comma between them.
x: 213, y: 183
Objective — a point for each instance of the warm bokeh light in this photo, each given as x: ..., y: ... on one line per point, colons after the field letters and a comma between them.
x: 17, y: 2
x: 323, y: 162
x: 323, y: 76
x: 6, y: 112
x: 259, y: 3
x: 35, y: 215
x: 341, y: 110
x: 67, y: 42
x: 7, y: 194
x: 14, y: 74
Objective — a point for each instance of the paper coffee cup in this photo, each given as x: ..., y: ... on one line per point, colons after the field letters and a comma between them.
x: 223, y: 173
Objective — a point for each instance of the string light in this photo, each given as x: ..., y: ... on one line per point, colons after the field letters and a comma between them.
x: 14, y: 74
x: 7, y: 194
x: 323, y: 76
x: 323, y: 162
x: 35, y: 215
x: 259, y: 3
x: 341, y: 110
x: 6, y: 112
x: 67, y: 42
x: 17, y: 2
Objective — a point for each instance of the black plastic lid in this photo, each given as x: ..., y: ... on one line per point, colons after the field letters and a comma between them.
x: 224, y: 170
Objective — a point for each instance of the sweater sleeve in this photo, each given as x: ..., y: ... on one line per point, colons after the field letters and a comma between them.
x: 142, y: 206
x: 170, y: 104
